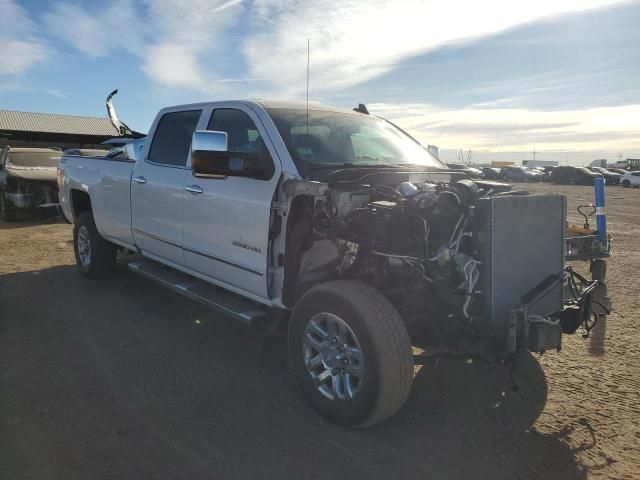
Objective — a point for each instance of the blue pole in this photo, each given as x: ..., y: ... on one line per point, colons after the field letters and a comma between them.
x: 601, y: 218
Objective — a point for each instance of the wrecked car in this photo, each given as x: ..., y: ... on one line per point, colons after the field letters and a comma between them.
x: 339, y: 225
x: 27, y: 179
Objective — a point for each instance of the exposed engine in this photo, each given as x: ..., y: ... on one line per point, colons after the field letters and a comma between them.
x: 401, y: 237
x: 442, y: 248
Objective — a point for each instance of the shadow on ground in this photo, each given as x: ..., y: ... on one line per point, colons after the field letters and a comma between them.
x: 31, y: 218
x: 124, y: 379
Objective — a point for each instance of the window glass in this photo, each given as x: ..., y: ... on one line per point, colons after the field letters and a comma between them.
x: 172, y: 138
x: 242, y: 134
x: 328, y: 139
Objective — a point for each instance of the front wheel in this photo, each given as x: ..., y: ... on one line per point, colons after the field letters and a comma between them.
x: 95, y: 256
x: 351, y: 353
x: 626, y: 183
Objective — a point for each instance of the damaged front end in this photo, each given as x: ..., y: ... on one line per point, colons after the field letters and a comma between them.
x: 468, y: 264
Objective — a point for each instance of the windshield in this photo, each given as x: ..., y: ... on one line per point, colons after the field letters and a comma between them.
x: 333, y: 139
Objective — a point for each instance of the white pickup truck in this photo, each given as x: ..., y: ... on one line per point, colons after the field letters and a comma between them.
x: 342, y: 225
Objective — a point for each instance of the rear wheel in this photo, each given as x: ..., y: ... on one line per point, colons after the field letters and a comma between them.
x: 626, y: 183
x: 351, y: 353
x: 95, y: 256
x: 7, y: 210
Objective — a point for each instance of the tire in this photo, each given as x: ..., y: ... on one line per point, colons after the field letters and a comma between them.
x: 626, y: 183
x: 599, y: 270
x: 385, y: 361
x: 7, y: 211
x: 101, y: 259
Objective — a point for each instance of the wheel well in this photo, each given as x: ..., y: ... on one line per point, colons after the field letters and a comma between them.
x: 81, y: 202
x: 299, y: 227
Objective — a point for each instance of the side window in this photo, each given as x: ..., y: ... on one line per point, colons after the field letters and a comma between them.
x: 242, y: 134
x: 172, y: 138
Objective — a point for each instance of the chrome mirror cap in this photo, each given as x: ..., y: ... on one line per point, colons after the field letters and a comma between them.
x: 209, y: 141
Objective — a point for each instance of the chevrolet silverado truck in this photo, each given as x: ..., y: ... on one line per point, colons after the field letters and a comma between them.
x: 343, y: 226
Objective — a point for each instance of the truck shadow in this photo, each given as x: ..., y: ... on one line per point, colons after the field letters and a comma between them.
x: 136, y: 379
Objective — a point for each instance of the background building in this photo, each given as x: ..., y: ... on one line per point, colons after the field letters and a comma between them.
x: 28, y: 129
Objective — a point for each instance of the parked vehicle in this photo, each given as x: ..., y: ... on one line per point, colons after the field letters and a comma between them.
x: 630, y: 179
x: 520, y: 174
x: 618, y: 170
x: 491, y: 173
x: 27, y: 179
x: 340, y: 224
x: 577, y: 175
x: 610, y: 177
x: 471, y: 172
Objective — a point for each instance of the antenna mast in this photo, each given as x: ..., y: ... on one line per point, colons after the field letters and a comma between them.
x: 308, y: 61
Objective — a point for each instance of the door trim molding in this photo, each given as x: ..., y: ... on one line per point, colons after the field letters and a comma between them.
x: 196, y: 252
x: 160, y: 239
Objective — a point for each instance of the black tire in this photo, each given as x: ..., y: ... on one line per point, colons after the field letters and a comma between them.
x: 102, y: 254
x: 7, y: 210
x: 626, y: 183
x: 599, y: 270
x: 385, y: 346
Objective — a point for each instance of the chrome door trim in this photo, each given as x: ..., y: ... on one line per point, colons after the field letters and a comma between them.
x: 196, y: 252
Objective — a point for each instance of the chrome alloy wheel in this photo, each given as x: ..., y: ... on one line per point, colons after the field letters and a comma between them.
x: 84, y: 246
x: 333, y: 357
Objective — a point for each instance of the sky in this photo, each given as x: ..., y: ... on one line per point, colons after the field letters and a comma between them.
x: 497, y: 78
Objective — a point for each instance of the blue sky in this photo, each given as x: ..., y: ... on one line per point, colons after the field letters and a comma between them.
x: 497, y: 77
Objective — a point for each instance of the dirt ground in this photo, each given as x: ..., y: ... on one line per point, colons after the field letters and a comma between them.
x: 124, y: 379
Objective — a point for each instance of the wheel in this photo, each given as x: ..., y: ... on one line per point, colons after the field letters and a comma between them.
x: 598, y: 270
x: 626, y: 183
x: 95, y: 256
x: 7, y: 210
x: 351, y: 353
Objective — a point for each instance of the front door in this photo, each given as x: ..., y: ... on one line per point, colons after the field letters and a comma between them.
x: 157, y: 185
x: 226, y: 220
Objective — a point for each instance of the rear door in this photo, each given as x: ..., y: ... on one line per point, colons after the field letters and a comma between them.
x: 157, y: 186
x: 226, y: 220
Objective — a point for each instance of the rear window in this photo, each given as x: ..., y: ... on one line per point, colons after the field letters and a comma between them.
x: 172, y: 138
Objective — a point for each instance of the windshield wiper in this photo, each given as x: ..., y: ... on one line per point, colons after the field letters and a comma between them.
x: 351, y: 165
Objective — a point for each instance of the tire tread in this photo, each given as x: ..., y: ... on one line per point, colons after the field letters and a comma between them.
x: 390, y: 335
x: 103, y: 252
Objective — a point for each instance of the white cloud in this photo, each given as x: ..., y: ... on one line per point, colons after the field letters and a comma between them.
x: 175, y: 39
x: 54, y: 92
x: 611, y: 129
x: 355, y: 40
x: 21, y: 48
x: 179, y: 41
x: 96, y: 32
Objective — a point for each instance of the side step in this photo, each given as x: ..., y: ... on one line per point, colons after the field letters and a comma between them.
x: 214, y: 297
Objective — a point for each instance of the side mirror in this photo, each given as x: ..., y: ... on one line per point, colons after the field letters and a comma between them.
x: 210, y: 158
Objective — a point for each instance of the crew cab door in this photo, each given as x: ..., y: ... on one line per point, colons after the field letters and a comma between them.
x: 157, y: 185
x: 226, y: 219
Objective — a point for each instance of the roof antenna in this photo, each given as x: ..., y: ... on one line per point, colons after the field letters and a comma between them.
x: 308, y: 61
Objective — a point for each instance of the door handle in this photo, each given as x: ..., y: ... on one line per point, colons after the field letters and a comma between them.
x: 139, y: 180
x: 194, y: 189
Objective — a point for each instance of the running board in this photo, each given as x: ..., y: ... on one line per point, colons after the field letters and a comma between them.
x: 214, y: 297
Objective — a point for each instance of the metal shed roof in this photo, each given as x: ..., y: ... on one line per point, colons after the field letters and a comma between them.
x: 53, y: 123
